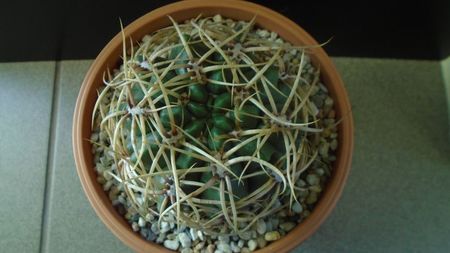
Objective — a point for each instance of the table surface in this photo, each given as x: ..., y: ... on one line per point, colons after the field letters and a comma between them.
x: 397, y: 198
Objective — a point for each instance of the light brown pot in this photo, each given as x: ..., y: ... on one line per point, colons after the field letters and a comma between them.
x: 238, y: 10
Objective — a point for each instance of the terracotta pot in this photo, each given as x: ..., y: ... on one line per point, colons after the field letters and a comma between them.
x: 238, y: 10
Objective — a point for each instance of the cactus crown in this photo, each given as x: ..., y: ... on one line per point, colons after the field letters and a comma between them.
x: 207, y: 124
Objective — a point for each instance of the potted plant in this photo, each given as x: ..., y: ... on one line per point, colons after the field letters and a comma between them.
x: 212, y: 126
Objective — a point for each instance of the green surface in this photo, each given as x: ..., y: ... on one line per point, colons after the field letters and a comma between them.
x: 25, y: 109
x: 445, y: 65
x: 397, y: 198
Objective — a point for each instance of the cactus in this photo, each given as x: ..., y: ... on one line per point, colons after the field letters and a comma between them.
x: 208, y: 125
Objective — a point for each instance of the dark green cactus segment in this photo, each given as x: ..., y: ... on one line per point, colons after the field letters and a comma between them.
x: 180, y: 52
x: 216, y: 139
x: 137, y: 93
x: 199, y: 49
x: 216, y: 75
x: 198, y: 93
x: 197, y: 109
x: 222, y: 102
x: 265, y: 152
x: 195, y: 128
x: 186, y: 161
x: 239, y: 188
x: 247, y: 116
x: 223, y: 123
x: 180, y: 114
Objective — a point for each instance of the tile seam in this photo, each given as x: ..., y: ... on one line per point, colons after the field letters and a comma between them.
x: 50, y: 159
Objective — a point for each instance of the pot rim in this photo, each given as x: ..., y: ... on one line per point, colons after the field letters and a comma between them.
x: 285, y: 28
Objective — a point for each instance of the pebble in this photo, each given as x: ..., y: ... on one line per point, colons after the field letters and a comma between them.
x: 185, y: 240
x: 252, y: 245
x: 275, y: 222
x: 261, y: 227
x: 217, y: 18
x: 224, y: 238
x: 141, y: 222
x: 297, y: 208
x: 193, y: 234
x: 225, y: 248
x: 247, y: 235
x: 151, y: 236
x: 245, y: 250
x: 312, y: 198
x: 161, y: 238
x: 316, y: 188
x: 155, y: 228
x: 200, y: 235
x: 171, y: 244
x: 135, y: 226
x: 261, y: 242
x: 187, y: 250
x: 199, y: 246
x: 323, y: 149
x: 241, y: 243
x: 334, y: 144
x: 210, y: 248
x: 234, y: 247
x: 272, y: 236
x: 312, y: 179
x: 165, y: 227
x: 263, y: 33
x: 287, y: 226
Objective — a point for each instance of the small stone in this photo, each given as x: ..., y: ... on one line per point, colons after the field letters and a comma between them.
x: 155, y: 228
x: 165, y: 227
x: 316, y: 188
x: 187, y: 250
x: 312, y: 198
x: 261, y: 242
x: 151, y: 236
x: 287, y: 226
x: 217, y: 18
x: 273, y: 35
x: 144, y: 232
x: 185, y: 240
x: 275, y: 222
x: 161, y: 238
x: 297, y: 208
x: 272, y: 236
x: 225, y: 248
x: 193, y: 234
x: 224, y: 238
x: 328, y: 102
x: 149, y: 217
x: 200, y: 235
x: 171, y: 244
x: 135, y: 226
x: 261, y: 227
x: 234, y: 247
x: 312, y: 179
x: 247, y: 235
x: 171, y: 236
x: 210, y: 248
x: 141, y: 222
x: 199, y: 246
x: 269, y: 226
x: 263, y: 33
x: 245, y: 250
x: 334, y: 144
x: 252, y: 245
x: 241, y: 243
